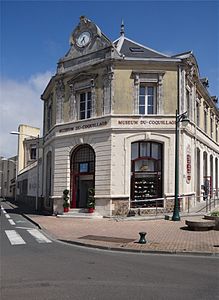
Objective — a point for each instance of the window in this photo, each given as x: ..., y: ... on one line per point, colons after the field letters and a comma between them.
x: 83, y: 160
x: 216, y: 131
x: 48, y: 178
x: 197, y: 112
x: 85, y: 105
x: 33, y: 152
x: 49, y: 116
x: 211, y: 124
x: 147, y: 99
x: 205, y: 119
x: 146, y: 174
x: 188, y: 103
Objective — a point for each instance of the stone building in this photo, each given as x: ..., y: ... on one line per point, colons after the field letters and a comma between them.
x: 109, y: 123
x: 29, y: 170
x: 8, y: 177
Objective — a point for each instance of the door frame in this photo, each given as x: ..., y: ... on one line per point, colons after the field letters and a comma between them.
x: 75, y: 186
x: 75, y: 176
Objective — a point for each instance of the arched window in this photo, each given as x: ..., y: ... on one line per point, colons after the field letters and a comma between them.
x: 83, y: 160
x: 146, y: 174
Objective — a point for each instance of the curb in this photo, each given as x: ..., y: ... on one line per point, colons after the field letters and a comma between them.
x: 29, y: 219
x: 129, y: 250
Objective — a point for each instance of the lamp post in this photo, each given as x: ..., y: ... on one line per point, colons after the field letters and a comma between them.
x: 37, y: 159
x: 179, y: 118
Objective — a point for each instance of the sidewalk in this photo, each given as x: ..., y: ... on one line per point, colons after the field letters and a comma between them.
x: 162, y: 236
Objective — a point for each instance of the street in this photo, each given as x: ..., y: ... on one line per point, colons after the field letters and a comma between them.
x: 34, y: 266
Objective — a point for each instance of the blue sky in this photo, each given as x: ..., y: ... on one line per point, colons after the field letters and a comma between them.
x: 35, y: 34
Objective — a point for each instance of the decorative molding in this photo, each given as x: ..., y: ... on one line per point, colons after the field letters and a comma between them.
x: 108, y: 77
x: 60, y: 94
x: 149, y: 77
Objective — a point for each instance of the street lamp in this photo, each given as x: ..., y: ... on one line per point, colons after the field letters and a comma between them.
x: 37, y: 159
x: 179, y: 118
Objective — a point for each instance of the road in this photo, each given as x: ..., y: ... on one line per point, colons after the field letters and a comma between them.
x: 33, y: 266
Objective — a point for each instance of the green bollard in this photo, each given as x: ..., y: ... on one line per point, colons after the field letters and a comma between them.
x: 142, y: 238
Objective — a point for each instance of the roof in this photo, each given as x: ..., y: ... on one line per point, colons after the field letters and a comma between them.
x: 132, y: 49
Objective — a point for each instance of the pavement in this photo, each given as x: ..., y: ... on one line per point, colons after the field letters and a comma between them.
x: 122, y: 234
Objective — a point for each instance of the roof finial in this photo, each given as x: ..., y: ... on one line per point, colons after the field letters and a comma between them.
x: 122, y: 31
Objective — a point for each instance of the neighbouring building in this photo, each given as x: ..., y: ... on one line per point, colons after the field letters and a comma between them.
x: 109, y: 123
x: 8, y: 177
x: 29, y: 171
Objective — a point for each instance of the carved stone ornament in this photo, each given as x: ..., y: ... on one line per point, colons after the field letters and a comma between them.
x: 60, y: 89
x: 190, y: 73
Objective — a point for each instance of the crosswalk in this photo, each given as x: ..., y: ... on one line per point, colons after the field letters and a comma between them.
x: 15, y: 238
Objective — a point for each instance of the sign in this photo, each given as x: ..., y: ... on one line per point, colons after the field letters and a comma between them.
x: 146, y: 122
x: 83, y: 167
x: 84, y: 126
x: 188, y: 164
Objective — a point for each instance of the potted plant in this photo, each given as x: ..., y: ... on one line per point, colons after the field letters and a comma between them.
x: 91, y: 200
x: 66, y: 198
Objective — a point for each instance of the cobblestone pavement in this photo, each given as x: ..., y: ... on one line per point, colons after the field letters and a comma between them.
x: 161, y: 235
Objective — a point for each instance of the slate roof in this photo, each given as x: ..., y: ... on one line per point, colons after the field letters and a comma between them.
x: 132, y: 49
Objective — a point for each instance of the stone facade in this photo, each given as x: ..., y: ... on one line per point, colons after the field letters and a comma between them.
x: 94, y: 117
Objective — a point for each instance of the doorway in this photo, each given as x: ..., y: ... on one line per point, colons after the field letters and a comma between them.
x: 82, y: 175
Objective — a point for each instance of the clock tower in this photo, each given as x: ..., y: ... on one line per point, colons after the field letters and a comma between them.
x: 87, y: 37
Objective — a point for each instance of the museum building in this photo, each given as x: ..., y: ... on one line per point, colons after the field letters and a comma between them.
x: 110, y: 114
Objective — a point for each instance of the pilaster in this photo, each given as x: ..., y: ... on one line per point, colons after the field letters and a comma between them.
x: 60, y: 94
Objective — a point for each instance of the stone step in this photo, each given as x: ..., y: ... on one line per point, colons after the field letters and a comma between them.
x: 80, y: 213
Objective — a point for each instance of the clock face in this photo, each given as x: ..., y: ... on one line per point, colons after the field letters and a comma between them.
x: 83, y: 39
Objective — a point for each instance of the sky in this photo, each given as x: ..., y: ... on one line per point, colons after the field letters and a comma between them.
x: 35, y: 35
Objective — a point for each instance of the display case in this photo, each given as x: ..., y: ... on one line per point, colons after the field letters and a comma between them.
x: 145, y: 188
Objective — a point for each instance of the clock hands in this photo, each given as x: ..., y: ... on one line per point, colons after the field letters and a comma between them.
x: 83, y: 40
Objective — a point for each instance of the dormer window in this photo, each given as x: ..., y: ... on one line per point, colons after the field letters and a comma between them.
x: 136, y: 49
x: 33, y: 152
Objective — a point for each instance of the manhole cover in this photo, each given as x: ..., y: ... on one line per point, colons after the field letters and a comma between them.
x: 106, y: 239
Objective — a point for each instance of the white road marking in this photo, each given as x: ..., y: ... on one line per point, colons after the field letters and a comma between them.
x: 21, y: 221
x: 11, y: 221
x: 3, y: 211
x: 39, y: 236
x: 23, y: 227
x: 14, y: 237
x: 7, y: 216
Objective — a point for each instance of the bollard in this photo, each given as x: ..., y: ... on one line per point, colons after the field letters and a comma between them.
x: 142, y: 238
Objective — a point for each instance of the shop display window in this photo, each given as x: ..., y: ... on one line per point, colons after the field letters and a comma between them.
x: 146, y: 177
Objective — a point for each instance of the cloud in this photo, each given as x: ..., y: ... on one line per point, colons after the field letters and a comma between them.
x: 20, y: 104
